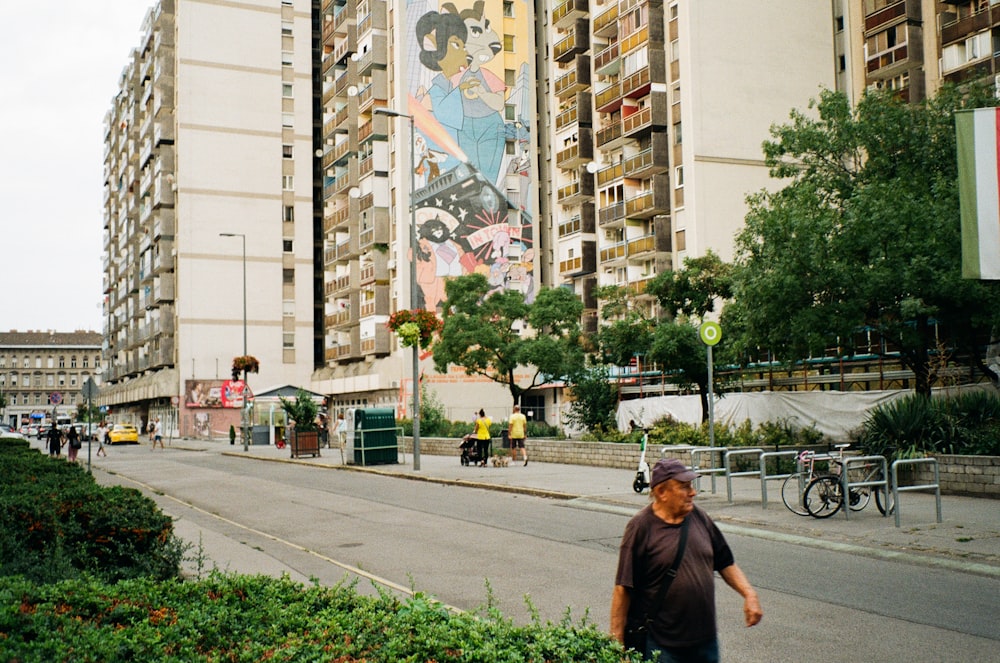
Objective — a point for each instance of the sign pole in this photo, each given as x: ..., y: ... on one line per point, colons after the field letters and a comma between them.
x: 710, y: 334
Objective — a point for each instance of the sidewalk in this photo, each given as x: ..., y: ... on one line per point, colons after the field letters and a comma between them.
x: 967, y: 539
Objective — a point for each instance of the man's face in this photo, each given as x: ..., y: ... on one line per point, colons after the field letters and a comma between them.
x: 676, y: 496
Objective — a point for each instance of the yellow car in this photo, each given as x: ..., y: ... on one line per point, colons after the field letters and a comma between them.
x: 124, y: 433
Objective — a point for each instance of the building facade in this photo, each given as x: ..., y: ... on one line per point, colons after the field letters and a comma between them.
x: 42, y: 373
x: 210, y: 227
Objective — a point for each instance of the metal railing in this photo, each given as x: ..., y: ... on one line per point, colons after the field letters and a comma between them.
x: 727, y: 465
x: 847, y: 484
x: 896, y: 490
x: 765, y: 477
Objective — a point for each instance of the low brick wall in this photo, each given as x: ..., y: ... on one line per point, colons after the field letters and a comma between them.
x: 960, y: 475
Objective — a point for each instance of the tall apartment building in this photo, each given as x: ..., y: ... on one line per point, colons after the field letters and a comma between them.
x: 212, y: 132
x: 914, y: 46
x: 463, y: 73
x: 655, y: 113
x: 42, y: 372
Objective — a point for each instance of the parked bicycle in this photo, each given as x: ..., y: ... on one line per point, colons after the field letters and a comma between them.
x: 809, y: 492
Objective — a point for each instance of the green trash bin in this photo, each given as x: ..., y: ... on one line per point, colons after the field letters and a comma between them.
x: 375, y: 437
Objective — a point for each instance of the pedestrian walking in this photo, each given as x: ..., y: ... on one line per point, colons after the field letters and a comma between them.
x: 54, y: 437
x: 664, y: 595
x: 102, y: 434
x: 341, y: 431
x: 156, y: 432
x: 517, y: 431
x: 483, y: 439
x: 74, y: 443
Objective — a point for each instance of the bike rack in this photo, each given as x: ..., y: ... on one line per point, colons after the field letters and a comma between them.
x: 730, y: 474
x: 765, y: 477
x: 896, y: 489
x: 712, y: 469
x: 846, y: 484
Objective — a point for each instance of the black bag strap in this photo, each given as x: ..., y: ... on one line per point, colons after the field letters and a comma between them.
x: 671, y: 572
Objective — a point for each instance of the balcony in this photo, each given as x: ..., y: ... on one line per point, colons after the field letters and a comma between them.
x: 576, y: 42
x: 576, y: 192
x: 567, y: 118
x: 641, y: 248
x: 582, y: 264
x: 636, y: 85
x: 611, y: 216
x: 609, y: 99
x: 337, y: 219
x: 609, y: 174
x: 607, y: 62
x: 567, y: 11
x: 654, y: 116
x: 610, y: 136
x: 606, y: 24
x: 613, y: 254
x: 578, y: 154
x: 577, y: 79
x: 380, y: 344
x: 649, y: 162
x: 375, y: 58
x: 338, y: 287
x: 653, y: 201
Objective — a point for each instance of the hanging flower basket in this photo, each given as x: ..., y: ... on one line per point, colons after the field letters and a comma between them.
x: 246, y: 363
x: 415, y: 327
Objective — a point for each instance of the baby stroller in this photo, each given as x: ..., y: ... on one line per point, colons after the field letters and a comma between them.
x: 474, y: 453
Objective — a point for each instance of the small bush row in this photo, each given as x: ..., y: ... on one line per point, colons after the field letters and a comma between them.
x: 965, y: 424
x: 57, y: 523
x: 668, y: 431
x: 254, y: 618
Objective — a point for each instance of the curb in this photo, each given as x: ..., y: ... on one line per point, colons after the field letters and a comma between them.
x: 465, y: 483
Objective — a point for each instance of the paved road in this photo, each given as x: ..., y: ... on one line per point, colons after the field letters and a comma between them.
x: 823, y: 600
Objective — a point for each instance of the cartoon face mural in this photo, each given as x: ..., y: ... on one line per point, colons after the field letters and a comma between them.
x: 473, y: 167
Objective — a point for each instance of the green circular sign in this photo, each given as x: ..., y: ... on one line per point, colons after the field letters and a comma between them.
x: 710, y: 332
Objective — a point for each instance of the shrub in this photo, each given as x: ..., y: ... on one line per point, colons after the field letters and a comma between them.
x: 915, y: 425
x: 255, y: 618
x: 56, y: 523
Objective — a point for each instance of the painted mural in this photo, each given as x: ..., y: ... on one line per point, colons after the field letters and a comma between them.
x: 472, y: 101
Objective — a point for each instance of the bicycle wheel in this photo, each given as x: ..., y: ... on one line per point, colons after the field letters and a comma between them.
x: 884, y: 501
x: 792, y: 492
x: 823, y: 497
x: 860, y: 497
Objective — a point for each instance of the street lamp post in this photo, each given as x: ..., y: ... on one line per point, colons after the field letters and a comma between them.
x: 243, y: 414
x: 413, y: 280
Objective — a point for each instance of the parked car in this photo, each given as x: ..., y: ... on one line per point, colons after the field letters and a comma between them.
x: 124, y: 433
x: 7, y: 431
x: 34, y: 431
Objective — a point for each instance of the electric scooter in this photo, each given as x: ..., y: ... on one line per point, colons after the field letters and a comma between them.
x: 642, y: 474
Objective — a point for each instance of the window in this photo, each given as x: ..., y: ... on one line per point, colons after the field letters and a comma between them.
x: 50, y: 380
x: 288, y: 183
x: 286, y: 28
x: 288, y: 276
x: 288, y: 120
x: 288, y: 308
x: 508, y: 8
x: 288, y: 213
x: 287, y: 90
x: 678, y: 177
x: 509, y: 77
x: 673, y: 12
x: 38, y: 362
x: 839, y: 21
x: 286, y: 58
x: 286, y: 151
x: 286, y: 245
x: 72, y: 361
x: 72, y: 380
x: 677, y: 134
x: 288, y: 340
x: 62, y: 362
x: 508, y: 43
x: 842, y: 60
x: 681, y: 242
x: 510, y: 112
x: 510, y: 147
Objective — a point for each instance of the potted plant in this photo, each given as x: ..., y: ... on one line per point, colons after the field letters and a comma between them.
x: 245, y: 364
x: 302, y: 411
x: 415, y: 327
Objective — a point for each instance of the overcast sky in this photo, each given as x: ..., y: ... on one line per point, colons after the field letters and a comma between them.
x: 59, y: 66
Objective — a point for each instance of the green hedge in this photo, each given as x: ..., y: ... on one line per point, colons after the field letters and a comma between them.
x: 57, y: 523
x: 256, y: 618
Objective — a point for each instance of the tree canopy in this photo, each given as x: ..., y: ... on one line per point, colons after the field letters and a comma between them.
x: 865, y: 237
x: 502, y: 337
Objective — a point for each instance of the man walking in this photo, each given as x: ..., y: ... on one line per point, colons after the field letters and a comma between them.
x: 157, y: 432
x: 517, y: 430
x: 680, y: 621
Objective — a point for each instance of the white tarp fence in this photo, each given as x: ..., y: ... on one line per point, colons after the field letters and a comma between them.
x: 832, y: 413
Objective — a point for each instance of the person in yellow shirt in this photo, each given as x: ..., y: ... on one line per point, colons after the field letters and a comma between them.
x: 483, y: 439
x: 517, y: 430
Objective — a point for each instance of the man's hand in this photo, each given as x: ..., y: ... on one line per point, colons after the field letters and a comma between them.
x: 752, y: 610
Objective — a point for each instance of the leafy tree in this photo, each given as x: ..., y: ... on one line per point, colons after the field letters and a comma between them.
x: 678, y: 347
x: 693, y: 290
x: 595, y: 400
x: 864, y: 235
x: 627, y: 331
x: 497, y: 334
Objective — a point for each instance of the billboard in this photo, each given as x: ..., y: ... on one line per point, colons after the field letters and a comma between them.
x: 213, y: 393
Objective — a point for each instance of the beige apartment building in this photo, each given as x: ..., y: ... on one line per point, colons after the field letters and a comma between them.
x: 209, y: 203
x: 42, y: 373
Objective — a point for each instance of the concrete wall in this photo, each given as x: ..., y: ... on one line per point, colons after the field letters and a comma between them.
x: 966, y: 475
